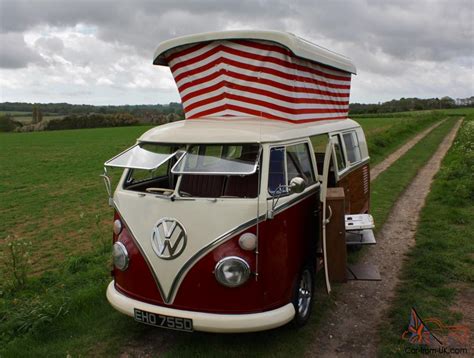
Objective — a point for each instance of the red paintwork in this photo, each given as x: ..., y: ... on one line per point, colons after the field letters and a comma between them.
x: 284, y: 247
x: 137, y: 281
x: 286, y: 243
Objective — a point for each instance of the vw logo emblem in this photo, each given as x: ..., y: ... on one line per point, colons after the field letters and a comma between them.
x: 168, y: 238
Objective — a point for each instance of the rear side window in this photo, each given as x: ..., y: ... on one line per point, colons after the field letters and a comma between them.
x: 352, y: 147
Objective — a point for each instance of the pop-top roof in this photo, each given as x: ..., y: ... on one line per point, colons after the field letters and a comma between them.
x: 269, y: 74
x: 300, y: 47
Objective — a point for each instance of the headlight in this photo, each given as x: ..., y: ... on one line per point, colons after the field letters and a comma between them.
x: 117, y: 227
x: 120, y: 256
x: 232, y: 271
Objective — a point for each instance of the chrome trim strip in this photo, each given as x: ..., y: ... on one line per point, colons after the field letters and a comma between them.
x: 168, y: 299
x: 254, y: 169
x: 206, y: 249
x: 187, y: 266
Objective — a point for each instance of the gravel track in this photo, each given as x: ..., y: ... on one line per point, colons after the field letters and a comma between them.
x: 393, y: 157
x: 349, y: 328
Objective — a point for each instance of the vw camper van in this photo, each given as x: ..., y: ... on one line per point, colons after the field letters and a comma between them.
x: 220, y: 219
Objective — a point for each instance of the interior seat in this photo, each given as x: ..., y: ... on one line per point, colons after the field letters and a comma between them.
x: 242, y: 186
x: 205, y: 186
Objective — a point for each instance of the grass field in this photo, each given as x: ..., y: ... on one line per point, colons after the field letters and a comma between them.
x: 51, y: 196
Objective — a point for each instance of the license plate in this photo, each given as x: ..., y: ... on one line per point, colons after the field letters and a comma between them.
x: 159, y: 320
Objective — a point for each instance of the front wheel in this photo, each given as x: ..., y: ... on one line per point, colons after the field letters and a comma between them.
x: 303, y: 296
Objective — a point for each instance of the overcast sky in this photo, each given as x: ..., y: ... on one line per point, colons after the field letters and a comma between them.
x: 100, y: 52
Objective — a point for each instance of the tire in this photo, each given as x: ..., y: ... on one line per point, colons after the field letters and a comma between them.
x: 303, y: 296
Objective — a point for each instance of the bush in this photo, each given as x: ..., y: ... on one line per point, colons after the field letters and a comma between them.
x: 94, y: 120
x: 7, y: 124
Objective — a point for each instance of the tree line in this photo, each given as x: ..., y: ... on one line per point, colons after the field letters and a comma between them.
x: 67, y: 109
x: 89, y: 116
x: 403, y: 105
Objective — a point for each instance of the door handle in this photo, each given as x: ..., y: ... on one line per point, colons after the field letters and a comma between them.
x: 330, y: 214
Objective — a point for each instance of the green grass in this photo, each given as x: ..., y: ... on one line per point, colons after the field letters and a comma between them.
x: 51, y: 192
x: 440, y: 265
x: 51, y: 195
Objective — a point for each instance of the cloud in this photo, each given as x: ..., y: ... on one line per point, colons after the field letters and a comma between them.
x: 15, y: 53
x: 50, y: 44
x: 422, y: 29
x: 109, y: 44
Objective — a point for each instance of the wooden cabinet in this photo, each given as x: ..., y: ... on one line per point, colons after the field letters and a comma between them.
x: 336, y: 235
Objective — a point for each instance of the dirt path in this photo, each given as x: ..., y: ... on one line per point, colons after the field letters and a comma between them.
x: 349, y: 329
x: 392, y: 158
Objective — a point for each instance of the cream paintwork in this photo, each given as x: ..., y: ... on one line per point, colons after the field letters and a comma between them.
x: 241, y: 130
x: 204, y: 220
x: 207, y: 322
x: 300, y: 47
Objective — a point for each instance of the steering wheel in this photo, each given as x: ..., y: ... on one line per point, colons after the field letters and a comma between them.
x: 159, y: 190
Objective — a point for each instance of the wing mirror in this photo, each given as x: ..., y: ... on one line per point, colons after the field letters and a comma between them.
x: 297, y: 185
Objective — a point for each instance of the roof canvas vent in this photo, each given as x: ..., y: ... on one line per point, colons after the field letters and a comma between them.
x: 265, y: 74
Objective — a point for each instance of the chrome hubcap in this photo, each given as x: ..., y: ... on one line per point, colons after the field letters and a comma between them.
x: 304, y: 294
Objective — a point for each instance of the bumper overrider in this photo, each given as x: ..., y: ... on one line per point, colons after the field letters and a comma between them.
x: 207, y: 322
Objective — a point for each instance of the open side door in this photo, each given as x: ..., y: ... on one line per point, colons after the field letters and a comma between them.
x: 325, y: 220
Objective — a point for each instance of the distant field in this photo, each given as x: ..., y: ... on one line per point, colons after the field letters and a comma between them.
x: 51, y: 195
x: 15, y: 113
x: 25, y: 117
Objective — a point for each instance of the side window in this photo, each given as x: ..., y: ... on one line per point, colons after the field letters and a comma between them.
x: 352, y: 147
x: 299, y: 163
x: 341, y: 162
x: 319, y: 143
x: 277, y: 175
x: 287, y: 163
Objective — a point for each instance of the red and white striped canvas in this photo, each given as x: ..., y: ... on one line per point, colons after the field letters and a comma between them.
x: 256, y: 78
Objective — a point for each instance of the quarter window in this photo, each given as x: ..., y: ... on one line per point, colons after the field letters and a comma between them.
x: 341, y: 163
x: 277, y: 175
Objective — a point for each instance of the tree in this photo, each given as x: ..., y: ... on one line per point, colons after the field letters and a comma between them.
x: 35, y: 114
x: 39, y: 115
